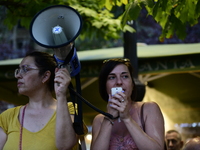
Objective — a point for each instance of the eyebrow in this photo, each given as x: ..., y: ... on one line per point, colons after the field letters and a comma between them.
x: 121, y: 73
x: 23, y: 65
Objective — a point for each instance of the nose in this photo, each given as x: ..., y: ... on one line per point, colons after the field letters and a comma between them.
x: 18, y: 75
x: 119, y: 81
x: 170, y: 143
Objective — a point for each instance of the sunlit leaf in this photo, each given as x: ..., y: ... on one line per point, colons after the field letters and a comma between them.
x: 131, y: 13
x: 197, y: 10
x: 148, y: 3
x: 125, y: 2
x: 108, y: 5
x: 129, y: 29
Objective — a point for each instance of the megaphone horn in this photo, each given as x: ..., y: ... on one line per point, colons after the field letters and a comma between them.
x: 56, y: 26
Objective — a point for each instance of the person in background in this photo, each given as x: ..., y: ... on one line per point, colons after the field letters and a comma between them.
x: 137, y: 125
x: 173, y: 140
x: 192, y: 144
x: 44, y: 123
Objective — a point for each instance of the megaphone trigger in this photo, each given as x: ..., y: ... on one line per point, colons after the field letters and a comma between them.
x: 73, y: 65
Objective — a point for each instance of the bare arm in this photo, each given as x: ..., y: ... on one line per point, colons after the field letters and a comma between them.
x: 65, y: 135
x: 3, y: 138
x: 101, y: 132
x: 153, y: 137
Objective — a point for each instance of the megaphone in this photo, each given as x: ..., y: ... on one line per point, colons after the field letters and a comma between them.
x: 57, y: 27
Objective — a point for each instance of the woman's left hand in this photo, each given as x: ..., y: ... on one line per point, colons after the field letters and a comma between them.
x: 61, y: 81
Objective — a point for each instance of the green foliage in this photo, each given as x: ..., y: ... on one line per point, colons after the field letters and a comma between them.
x: 172, y: 15
x: 97, y: 21
x: 100, y: 19
x: 186, y: 12
x: 23, y: 11
x: 131, y: 13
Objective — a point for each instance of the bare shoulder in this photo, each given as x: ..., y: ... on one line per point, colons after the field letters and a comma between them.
x: 151, y: 109
x: 151, y: 106
x: 153, y: 116
x: 98, y: 118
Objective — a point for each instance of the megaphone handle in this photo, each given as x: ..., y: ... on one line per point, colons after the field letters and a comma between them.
x: 61, y: 63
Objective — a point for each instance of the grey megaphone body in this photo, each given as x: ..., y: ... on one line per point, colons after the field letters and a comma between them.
x: 57, y: 27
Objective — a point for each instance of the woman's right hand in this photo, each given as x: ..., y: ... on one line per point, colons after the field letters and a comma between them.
x: 62, y: 81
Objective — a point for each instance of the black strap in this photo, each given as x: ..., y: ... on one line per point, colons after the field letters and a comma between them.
x: 142, y: 117
x: 77, y: 98
x: 69, y: 56
x: 78, y: 118
x: 89, y: 104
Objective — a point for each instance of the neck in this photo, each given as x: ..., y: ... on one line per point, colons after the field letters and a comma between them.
x: 41, y: 101
x: 130, y: 102
x: 41, y: 104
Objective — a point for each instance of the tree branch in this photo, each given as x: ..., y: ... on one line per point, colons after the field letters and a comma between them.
x: 9, y: 3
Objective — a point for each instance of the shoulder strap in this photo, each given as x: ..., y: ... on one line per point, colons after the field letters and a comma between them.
x: 142, y: 117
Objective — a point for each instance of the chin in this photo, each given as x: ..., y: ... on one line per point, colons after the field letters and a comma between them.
x: 21, y: 92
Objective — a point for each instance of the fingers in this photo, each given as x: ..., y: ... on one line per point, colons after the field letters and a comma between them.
x: 62, y: 73
x: 120, y: 96
x: 62, y: 76
x: 118, y: 104
x: 110, y: 109
x: 118, y: 101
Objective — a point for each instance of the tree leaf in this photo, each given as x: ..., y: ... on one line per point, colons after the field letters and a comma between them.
x: 131, y: 13
x: 108, y: 5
